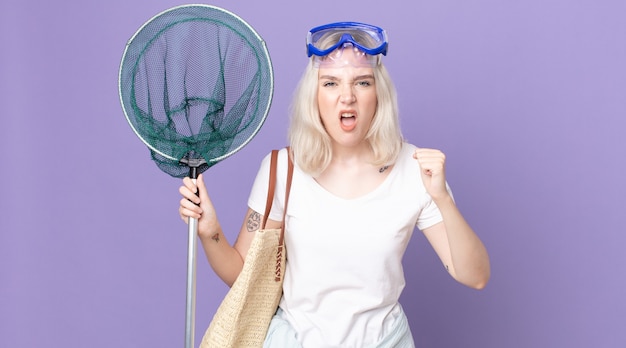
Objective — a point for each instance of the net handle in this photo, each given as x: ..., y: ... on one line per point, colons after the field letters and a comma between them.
x: 190, y: 308
x: 192, y: 251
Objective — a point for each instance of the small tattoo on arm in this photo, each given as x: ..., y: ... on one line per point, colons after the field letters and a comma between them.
x: 447, y: 268
x: 216, y: 237
x: 254, y: 221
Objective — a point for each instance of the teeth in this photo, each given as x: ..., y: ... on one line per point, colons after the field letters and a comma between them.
x: 347, y: 115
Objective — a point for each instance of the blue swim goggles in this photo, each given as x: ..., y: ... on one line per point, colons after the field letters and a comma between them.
x: 324, y: 39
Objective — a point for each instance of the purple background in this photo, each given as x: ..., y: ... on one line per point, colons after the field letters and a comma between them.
x: 527, y: 99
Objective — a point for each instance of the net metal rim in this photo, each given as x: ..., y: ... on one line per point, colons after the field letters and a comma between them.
x: 265, y: 54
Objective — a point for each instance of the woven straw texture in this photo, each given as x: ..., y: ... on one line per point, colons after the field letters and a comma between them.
x: 243, y: 317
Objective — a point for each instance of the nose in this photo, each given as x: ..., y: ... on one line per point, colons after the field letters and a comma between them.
x: 347, y: 95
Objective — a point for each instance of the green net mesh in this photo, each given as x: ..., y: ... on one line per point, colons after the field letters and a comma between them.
x: 195, y: 84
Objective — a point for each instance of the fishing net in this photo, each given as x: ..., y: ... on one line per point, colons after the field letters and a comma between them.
x: 196, y: 85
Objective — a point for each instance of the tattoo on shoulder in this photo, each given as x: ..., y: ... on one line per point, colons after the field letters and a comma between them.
x: 216, y: 237
x: 447, y: 268
x: 254, y: 221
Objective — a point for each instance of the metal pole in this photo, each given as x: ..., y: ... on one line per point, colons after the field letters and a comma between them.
x: 190, y: 313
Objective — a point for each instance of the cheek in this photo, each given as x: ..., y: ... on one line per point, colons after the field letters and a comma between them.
x: 325, y: 101
x: 369, y: 102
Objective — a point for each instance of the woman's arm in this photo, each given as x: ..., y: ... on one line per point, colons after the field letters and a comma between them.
x: 226, y: 260
x: 459, y: 248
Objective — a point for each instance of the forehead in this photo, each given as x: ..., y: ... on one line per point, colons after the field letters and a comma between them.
x: 347, y: 56
x: 346, y: 73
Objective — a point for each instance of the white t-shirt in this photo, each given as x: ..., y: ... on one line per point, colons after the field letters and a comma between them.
x: 344, y: 271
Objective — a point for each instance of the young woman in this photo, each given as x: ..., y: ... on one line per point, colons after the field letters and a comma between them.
x: 357, y: 194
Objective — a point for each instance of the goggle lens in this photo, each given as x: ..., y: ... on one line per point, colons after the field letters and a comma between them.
x: 340, y: 58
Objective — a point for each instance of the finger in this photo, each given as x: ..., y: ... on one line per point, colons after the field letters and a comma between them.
x: 189, y: 209
x: 428, y: 153
x: 190, y: 185
x: 189, y: 194
x: 428, y: 156
x: 432, y: 167
x: 431, y: 164
x: 188, y: 182
x: 184, y: 214
x: 429, y: 161
x: 189, y: 205
x: 202, y: 191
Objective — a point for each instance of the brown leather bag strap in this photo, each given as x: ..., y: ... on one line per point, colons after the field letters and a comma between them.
x: 271, y: 187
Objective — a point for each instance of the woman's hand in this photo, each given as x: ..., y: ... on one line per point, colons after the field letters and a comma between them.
x: 197, y: 204
x: 432, y: 163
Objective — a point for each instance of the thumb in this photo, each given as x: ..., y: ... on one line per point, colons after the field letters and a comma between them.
x: 202, y: 192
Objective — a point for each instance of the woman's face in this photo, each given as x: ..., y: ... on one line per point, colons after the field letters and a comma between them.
x: 346, y: 96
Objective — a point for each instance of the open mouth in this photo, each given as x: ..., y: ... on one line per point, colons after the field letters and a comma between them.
x: 348, y: 121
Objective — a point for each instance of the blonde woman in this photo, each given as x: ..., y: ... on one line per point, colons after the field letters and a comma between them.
x: 358, y: 192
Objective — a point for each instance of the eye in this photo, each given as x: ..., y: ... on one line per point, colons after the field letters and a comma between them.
x: 364, y: 83
x: 329, y: 84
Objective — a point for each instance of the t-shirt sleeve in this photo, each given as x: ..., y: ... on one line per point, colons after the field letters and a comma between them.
x: 430, y: 214
x: 258, y: 194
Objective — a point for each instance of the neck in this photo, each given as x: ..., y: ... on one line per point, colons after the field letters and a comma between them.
x: 361, y: 153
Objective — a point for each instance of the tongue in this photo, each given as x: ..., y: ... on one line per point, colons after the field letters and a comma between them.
x: 348, y: 123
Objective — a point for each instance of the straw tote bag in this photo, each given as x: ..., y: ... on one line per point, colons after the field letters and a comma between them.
x: 243, y: 317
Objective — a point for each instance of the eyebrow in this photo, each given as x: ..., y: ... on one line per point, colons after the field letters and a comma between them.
x: 359, y: 77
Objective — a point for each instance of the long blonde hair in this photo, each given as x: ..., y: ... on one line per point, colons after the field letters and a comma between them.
x: 311, y: 144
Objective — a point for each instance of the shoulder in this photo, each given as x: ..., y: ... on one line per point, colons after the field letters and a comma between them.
x: 282, y: 153
x: 258, y: 194
x: 405, y: 157
x: 408, y: 148
x: 407, y: 168
x: 282, y: 157
x: 281, y: 165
